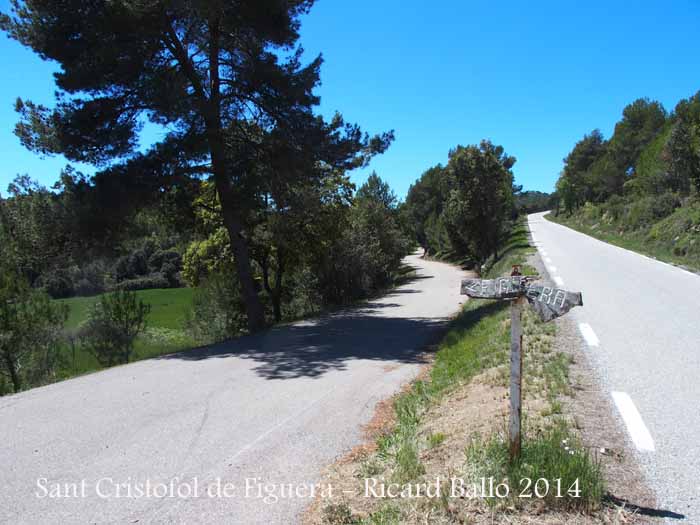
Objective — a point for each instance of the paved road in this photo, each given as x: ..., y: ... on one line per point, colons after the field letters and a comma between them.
x: 645, y: 316
x: 269, y: 409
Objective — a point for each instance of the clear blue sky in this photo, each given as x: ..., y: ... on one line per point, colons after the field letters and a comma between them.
x: 533, y: 77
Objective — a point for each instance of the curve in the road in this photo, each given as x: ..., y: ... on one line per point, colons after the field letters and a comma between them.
x: 222, y: 422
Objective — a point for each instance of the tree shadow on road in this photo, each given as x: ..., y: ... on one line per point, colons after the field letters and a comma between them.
x: 315, y: 347
x: 312, y: 348
x: 374, y: 330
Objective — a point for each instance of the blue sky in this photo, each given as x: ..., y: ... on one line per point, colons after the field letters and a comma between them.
x: 533, y: 78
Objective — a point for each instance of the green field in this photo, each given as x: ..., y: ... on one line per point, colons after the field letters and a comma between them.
x: 165, y: 329
x: 168, y: 307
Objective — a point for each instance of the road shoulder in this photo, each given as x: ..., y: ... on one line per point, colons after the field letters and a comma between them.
x: 414, y: 442
x: 593, y: 416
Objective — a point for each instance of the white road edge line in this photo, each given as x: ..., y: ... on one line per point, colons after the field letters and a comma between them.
x: 635, y: 425
x: 588, y: 334
x: 652, y: 259
x: 552, y: 269
x: 548, y: 259
x: 558, y: 280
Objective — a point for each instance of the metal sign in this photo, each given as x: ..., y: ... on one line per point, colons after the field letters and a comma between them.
x: 547, y: 301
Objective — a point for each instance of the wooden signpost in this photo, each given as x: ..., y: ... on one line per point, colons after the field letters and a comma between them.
x: 547, y: 301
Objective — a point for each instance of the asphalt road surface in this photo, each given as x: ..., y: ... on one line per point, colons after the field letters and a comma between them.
x: 641, y: 324
x: 205, y: 436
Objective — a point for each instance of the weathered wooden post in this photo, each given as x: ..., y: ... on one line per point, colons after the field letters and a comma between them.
x: 516, y: 372
x: 547, y: 301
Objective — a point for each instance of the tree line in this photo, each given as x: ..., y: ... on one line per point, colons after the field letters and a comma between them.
x: 465, y: 209
x: 640, y: 187
x: 651, y: 153
x: 247, y: 196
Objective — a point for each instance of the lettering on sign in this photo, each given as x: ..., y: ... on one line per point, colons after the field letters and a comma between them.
x: 549, y: 302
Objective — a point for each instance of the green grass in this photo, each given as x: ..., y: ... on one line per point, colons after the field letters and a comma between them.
x: 574, y: 479
x: 168, y: 307
x: 165, y: 329
x: 435, y: 440
x: 477, y: 340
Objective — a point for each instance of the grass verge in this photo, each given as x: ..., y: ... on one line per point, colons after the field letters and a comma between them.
x: 472, y: 358
x: 674, y: 239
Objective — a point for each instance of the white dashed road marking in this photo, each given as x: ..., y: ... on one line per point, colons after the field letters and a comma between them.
x: 547, y: 259
x: 588, y: 334
x: 558, y: 280
x: 552, y: 269
x: 635, y: 425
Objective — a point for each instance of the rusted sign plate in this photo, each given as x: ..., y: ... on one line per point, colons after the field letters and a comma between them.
x: 550, y: 302
x: 547, y: 301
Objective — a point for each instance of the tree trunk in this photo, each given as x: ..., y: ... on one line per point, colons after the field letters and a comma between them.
x: 253, y: 306
x: 277, y: 292
x: 277, y: 307
x: 234, y: 225
x: 211, y: 111
x: 14, y: 376
x: 232, y: 217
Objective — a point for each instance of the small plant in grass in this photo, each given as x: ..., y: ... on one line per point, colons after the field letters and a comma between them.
x: 112, y: 326
x: 408, y: 464
x: 435, y: 440
x: 553, y: 408
x: 370, y: 468
x: 556, y: 373
x: 387, y: 515
x: 400, y: 449
x: 339, y: 514
x: 574, y: 479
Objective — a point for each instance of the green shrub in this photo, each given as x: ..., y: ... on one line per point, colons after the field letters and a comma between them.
x: 112, y: 326
x: 160, y: 258
x: 155, y: 280
x: 57, y: 283
x: 614, y: 208
x: 363, y: 259
x: 302, y: 296
x: 30, y: 328
x: 680, y: 231
x: 207, y: 257
x: 339, y: 514
x: 217, y: 311
x: 590, y: 212
x: 435, y: 440
x: 645, y: 211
